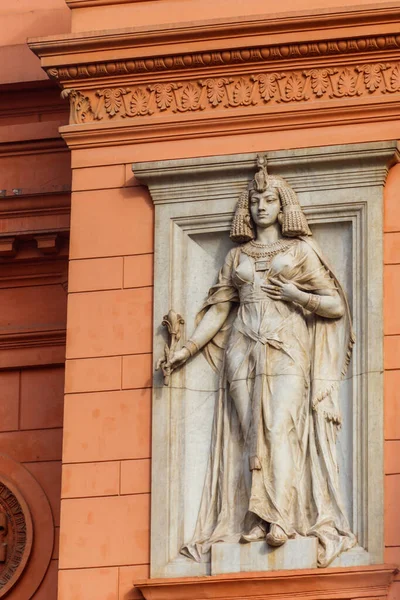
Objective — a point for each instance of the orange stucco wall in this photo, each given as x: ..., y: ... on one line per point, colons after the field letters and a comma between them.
x: 107, y: 405
x: 31, y: 416
x: 106, y: 455
x: 33, y: 311
x: 35, y: 162
x: 20, y: 20
x: 107, y: 438
x: 159, y: 12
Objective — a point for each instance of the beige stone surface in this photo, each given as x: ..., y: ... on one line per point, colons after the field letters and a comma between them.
x: 299, y: 553
x: 340, y: 193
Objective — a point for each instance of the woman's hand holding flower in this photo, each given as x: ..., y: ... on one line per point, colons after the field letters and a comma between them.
x: 179, y: 358
x: 171, y: 361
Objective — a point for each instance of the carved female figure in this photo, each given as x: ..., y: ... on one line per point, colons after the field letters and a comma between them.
x: 277, y: 328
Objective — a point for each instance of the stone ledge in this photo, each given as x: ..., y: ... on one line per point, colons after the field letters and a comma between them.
x: 334, y: 167
x: 353, y: 583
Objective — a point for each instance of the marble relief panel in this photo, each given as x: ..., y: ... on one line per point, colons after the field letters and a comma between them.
x: 340, y: 192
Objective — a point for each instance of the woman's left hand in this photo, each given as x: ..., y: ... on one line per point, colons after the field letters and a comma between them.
x: 279, y: 290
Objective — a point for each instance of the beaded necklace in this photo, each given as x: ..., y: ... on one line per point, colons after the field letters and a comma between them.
x: 265, y: 252
x: 257, y: 250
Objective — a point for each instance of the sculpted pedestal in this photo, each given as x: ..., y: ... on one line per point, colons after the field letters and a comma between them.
x: 300, y: 553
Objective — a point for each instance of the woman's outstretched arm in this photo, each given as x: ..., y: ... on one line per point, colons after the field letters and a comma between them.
x: 208, y: 327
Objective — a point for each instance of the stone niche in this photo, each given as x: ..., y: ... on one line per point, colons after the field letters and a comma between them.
x: 341, y: 191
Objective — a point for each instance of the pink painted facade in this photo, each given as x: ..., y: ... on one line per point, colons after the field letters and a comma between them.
x: 76, y: 283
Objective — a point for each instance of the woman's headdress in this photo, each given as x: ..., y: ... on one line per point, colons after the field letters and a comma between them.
x: 293, y: 222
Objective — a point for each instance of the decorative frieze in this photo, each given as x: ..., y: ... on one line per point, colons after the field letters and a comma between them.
x: 250, y: 73
x: 248, y: 90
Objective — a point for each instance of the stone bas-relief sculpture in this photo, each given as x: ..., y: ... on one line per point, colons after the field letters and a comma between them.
x: 15, y: 536
x: 277, y: 328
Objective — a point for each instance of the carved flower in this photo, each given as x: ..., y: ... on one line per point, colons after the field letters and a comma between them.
x: 81, y: 108
x: 395, y: 79
x: 53, y: 72
x: 372, y: 76
x: 294, y: 88
x: 216, y: 90
x: 268, y: 85
x: 139, y: 102
x: 173, y: 322
x: 319, y: 80
x: 164, y: 95
x: 190, y: 97
x: 347, y: 83
x: 113, y: 100
x: 242, y: 92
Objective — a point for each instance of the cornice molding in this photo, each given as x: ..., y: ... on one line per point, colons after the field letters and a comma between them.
x: 33, y: 339
x: 289, y: 53
x: 96, y: 3
x: 34, y: 205
x: 44, y: 348
x: 32, y: 147
x: 39, y: 98
x: 33, y: 267
x: 318, y: 584
x: 333, y: 168
x: 33, y: 226
x: 156, y: 87
x: 38, y: 270
x: 217, y: 33
x: 31, y: 246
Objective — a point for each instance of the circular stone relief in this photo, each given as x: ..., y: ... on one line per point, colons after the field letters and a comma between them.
x: 16, y: 533
x: 23, y: 504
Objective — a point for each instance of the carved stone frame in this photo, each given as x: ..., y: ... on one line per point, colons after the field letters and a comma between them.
x: 198, y: 196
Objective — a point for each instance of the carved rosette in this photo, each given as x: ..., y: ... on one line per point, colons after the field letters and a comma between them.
x: 15, y: 535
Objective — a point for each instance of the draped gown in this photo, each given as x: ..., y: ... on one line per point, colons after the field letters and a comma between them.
x: 272, y: 453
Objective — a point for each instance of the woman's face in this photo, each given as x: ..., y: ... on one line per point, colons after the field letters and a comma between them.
x: 265, y: 207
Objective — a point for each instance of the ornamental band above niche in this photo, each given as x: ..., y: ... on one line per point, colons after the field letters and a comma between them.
x: 229, y: 83
x: 267, y: 438
x: 259, y: 89
x: 277, y: 329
